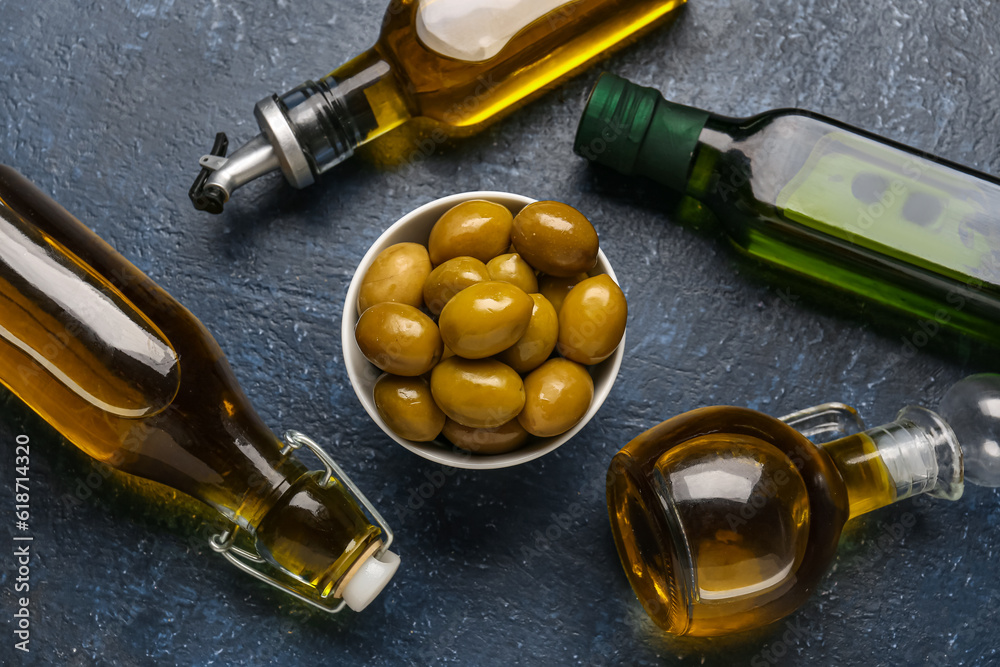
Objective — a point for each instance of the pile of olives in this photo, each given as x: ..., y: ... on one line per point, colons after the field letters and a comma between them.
x: 518, y: 321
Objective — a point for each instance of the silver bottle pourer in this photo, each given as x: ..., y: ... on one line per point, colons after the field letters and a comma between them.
x: 303, y: 133
x: 276, y: 147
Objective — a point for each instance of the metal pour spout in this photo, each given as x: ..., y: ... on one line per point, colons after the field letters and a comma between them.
x: 304, y: 133
x: 276, y: 147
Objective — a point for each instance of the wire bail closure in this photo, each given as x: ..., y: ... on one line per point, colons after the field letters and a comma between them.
x: 251, y: 562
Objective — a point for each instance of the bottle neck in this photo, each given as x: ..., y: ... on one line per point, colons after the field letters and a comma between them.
x: 915, y: 454
x: 306, y: 527
x: 316, y: 533
x: 311, y: 128
x: 311, y: 530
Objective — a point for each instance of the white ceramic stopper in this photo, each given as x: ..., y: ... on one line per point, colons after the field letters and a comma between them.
x: 365, y: 585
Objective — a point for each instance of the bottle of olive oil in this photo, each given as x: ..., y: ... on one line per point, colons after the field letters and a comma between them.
x: 129, y: 376
x: 459, y: 63
x: 725, y: 519
x: 853, y: 211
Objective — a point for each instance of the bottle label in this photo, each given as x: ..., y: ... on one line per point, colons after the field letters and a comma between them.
x: 898, y: 204
x: 477, y: 30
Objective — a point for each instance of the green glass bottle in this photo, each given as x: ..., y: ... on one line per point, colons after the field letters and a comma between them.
x: 839, y: 205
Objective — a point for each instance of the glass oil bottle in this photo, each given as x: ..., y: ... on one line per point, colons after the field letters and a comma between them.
x: 725, y: 519
x: 129, y: 376
x: 458, y: 63
x: 858, y: 214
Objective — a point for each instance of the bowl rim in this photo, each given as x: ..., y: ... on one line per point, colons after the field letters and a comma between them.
x: 442, y: 453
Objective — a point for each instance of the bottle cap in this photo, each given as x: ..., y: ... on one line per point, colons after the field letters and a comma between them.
x: 373, y: 575
x: 633, y: 130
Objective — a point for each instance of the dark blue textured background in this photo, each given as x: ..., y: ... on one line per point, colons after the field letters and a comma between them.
x: 108, y: 105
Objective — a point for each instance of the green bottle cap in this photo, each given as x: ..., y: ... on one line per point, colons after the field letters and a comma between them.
x: 632, y: 129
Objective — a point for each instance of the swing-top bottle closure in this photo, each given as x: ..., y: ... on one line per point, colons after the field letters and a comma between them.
x: 363, y: 581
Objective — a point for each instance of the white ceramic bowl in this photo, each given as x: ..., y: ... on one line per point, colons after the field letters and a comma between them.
x: 416, y: 227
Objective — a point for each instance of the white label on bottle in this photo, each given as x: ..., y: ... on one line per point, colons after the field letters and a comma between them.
x: 477, y: 30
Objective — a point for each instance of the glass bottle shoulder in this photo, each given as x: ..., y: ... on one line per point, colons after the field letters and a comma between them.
x: 752, y: 159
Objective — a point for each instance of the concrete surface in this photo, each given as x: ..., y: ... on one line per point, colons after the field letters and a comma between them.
x: 108, y: 105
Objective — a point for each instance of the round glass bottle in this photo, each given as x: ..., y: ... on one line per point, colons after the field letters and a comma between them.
x: 725, y: 519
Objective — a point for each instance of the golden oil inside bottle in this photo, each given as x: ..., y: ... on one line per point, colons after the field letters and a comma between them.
x: 129, y: 376
x: 456, y: 95
x: 869, y: 485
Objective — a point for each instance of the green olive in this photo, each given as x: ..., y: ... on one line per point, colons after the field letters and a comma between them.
x: 557, y: 396
x: 399, y: 339
x: 476, y: 228
x: 538, y: 341
x: 554, y: 238
x: 511, y: 268
x: 407, y: 407
x: 487, y: 441
x: 592, y: 320
x: 397, y: 274
x: 485, y: 319
x: 478, y: 393
x: 555, y: 288
x: 450, y: 278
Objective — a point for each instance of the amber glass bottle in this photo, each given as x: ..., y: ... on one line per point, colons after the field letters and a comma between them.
x: 459, y: 63
x: 725, y: 519
x: 129, y: 376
